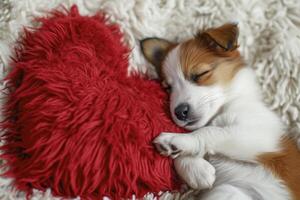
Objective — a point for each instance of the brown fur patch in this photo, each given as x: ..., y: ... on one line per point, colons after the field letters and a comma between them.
x: 285, y: 165
x: 225, y: 36
x: 216, y: 65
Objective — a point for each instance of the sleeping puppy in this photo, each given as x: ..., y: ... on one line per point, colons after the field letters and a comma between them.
x: 215, y: 95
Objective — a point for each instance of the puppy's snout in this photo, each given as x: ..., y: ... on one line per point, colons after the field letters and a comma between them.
x: 182, y: 111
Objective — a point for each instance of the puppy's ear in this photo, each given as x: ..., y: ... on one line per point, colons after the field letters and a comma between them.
x: 224, y: 37
x: 155, y: 51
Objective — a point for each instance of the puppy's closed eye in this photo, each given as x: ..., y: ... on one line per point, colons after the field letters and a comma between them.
x: 198, y: 77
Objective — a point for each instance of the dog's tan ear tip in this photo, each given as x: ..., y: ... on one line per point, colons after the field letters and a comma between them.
x: 146, y: 45
x: 155, y: 49
x: 235, y: 26
x: 148, y: 48
x: 142, y: 42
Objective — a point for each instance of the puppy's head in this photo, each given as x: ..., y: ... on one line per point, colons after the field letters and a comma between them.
x: 197, y: 72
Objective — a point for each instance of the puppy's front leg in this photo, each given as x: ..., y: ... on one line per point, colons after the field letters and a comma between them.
x: 189, y: 149
x: 174, y: 145
x: 188, y: 152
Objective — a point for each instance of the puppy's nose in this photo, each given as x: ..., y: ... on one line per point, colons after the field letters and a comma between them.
x: 182, y: 111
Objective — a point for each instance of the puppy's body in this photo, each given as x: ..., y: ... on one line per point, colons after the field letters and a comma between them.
x: 243, y: 129
x: 217, y: 97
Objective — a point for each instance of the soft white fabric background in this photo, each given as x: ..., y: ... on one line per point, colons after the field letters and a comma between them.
x: 269, y: 40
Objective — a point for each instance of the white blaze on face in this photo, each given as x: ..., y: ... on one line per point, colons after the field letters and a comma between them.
x: 204, y: 101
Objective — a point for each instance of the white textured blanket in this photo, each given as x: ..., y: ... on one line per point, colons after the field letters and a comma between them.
x: 269, y: 41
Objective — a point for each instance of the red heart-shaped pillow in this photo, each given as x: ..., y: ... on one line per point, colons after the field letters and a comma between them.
x: 75, y: 122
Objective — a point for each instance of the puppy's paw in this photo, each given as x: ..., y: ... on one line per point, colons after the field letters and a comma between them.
x: 196, y: 172
x: 174, y: 145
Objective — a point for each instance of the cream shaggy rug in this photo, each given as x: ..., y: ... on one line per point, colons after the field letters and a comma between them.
x: 269, y: 41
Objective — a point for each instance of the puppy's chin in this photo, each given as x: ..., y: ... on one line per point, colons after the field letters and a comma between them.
x: 195, y: 125
x: 191, y: 125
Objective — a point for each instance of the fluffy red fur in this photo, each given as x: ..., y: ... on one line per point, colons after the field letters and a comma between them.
x: 75, y: 122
